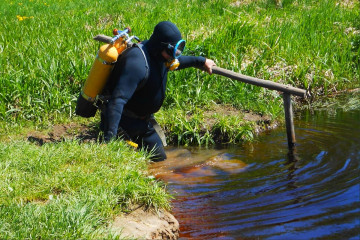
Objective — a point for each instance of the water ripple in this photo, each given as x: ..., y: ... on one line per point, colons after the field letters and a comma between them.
x: 313, y: 192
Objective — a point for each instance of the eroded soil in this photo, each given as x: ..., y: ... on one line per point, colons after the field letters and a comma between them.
x: 91, y: 133
x: 61, y: 132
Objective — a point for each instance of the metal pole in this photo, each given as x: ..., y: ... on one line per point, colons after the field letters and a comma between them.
x: 260, y: 82
x: 289, y: 120
x: 287, y: 92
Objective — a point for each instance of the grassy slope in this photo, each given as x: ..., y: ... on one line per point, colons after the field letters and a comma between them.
x: 71, y: 189
x: 46, y: 57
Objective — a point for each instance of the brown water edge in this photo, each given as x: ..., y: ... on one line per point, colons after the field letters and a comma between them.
x: 198, y: 167
x: 260, y: 190
x: 183, y: 166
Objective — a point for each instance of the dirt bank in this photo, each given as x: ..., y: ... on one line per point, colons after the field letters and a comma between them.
x: 147, y: 224
x: 87, y: 133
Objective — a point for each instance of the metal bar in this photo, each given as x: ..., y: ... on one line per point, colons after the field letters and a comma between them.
x: 259, y: 82
x: 290, y: 131
x: 103, y: 38
x: 287, y: 91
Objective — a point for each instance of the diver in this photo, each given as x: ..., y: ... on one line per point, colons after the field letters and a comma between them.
x: 137, y: 84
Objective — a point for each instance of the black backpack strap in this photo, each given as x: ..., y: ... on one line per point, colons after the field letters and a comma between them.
x: 143, y: 50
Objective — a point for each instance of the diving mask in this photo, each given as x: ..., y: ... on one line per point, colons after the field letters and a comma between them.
x: 176, y: 50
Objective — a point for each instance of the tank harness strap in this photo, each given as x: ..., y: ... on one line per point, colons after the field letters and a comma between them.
x: 143, y: 82
x: 151, y: 117
x: 103, y: 61
x: 88, y: 98
x: 101, y: 101
x: 158, y: 130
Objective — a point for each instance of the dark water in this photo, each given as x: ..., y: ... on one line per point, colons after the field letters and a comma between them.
x: 261, y: 191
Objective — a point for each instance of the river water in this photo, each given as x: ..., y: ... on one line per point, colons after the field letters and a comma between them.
x: 260, y: 190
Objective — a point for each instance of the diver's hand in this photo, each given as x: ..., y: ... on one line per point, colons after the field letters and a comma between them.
x: 208, y: 65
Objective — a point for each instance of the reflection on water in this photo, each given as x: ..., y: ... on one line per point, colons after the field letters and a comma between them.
x: 260, y: 190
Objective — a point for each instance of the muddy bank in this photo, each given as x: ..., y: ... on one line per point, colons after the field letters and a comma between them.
x: 146, y: 224
x: 90, y: 133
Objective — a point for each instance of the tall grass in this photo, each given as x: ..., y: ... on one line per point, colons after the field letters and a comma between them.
x: 45, y: 58
x: 71, y: 190
x: 196, y: 127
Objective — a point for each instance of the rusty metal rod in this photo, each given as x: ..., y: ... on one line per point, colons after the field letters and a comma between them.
x: 260, y: 82
x: 287, y: 92
x: 290, y: 131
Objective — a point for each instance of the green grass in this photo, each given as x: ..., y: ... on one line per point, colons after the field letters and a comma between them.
x: 45, y: 58
x: 198, y: 127
x: 71, y: 190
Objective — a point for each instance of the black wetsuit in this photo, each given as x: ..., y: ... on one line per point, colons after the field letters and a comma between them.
x: 141, y: 93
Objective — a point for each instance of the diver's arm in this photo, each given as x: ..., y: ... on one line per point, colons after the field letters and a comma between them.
x: 191, y: 61
x: 198, y: 62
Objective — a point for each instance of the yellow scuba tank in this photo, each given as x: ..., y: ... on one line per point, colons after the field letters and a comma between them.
x: 101, y: 69
x: 99, y: 72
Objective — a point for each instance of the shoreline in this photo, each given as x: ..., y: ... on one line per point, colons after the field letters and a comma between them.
x: 142, y: 223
